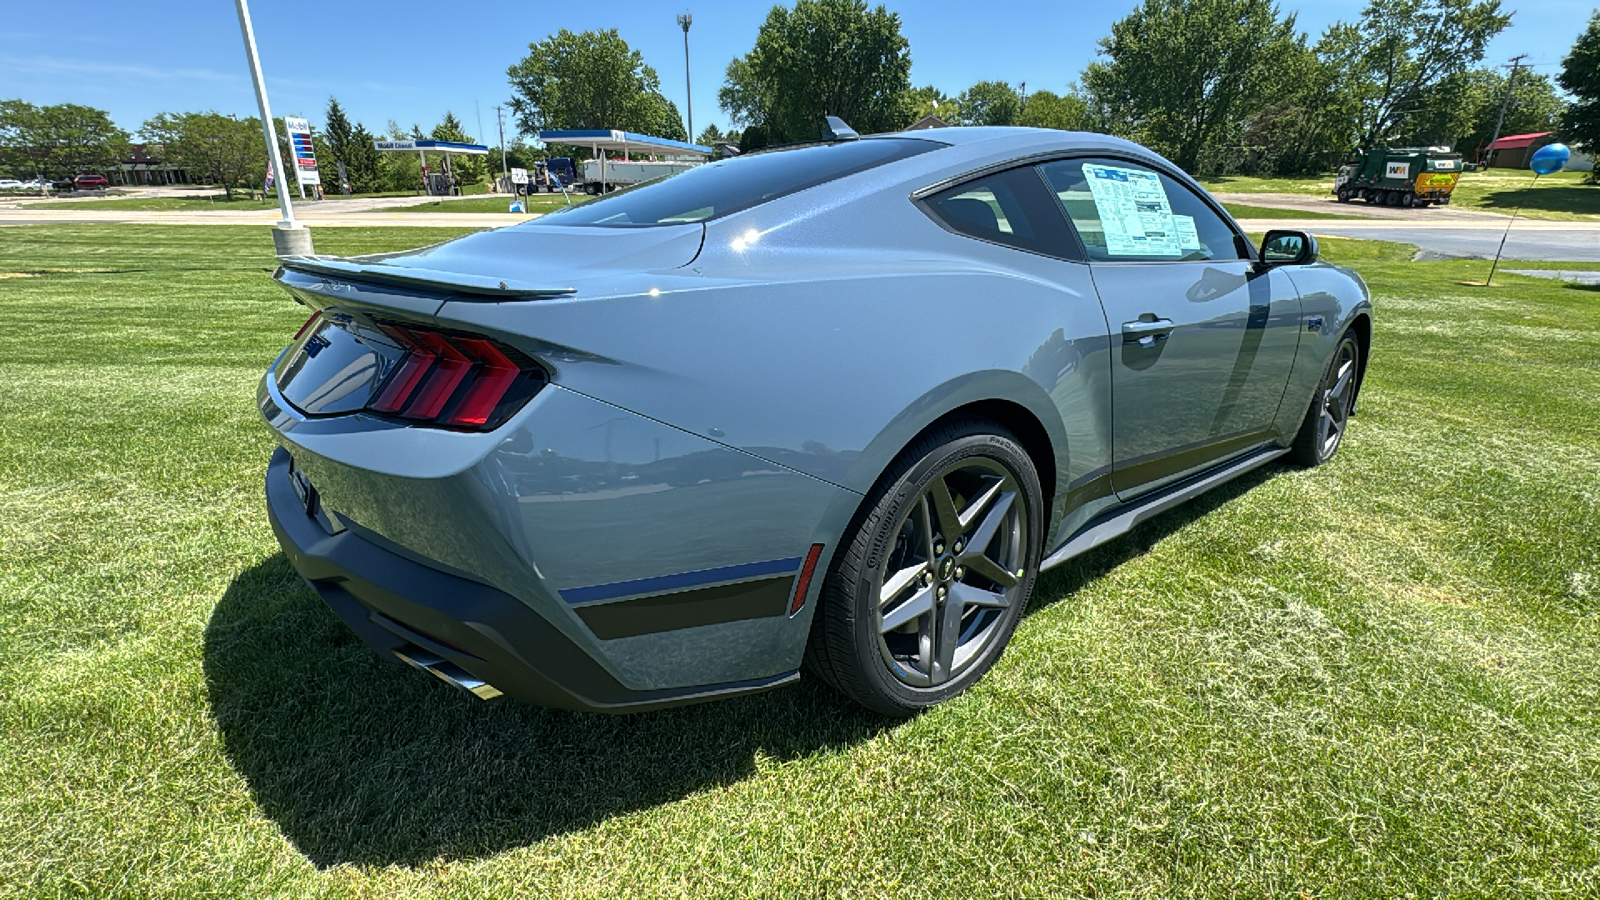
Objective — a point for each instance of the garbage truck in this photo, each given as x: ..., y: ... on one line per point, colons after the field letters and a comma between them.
x: 1399, y: 176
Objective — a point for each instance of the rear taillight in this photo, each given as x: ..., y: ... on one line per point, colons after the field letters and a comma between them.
x: 455, y: 381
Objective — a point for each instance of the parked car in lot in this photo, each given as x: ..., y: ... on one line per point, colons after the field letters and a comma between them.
x: 90, y: 182
x: 10, y: 184
x: 829, y: 408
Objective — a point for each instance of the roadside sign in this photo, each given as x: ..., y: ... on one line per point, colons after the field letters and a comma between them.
x: 519, y: 176
x: 395, y: 145
x: 305, y: 158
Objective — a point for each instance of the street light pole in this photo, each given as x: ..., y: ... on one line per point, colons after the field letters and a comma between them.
x: 684, y: 21
x: 289, y: 238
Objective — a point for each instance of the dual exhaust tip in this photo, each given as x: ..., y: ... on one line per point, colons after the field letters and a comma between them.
x: 446, y: 671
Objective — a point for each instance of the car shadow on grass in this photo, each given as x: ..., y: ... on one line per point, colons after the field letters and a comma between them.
x: 363, y: 761
x: 1061, y: 582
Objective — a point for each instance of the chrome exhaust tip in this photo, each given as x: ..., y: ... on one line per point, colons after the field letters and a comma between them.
x: 446, y: 671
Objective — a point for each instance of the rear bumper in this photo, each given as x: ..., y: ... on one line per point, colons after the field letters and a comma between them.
x: 465, y: 632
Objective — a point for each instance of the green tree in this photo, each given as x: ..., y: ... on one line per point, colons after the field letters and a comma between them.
x: 1461, y: 110
x: 1046, y: 109
x: 930, y: 101
x: 1183, y: 76
x: 64, y: 139
x: 468, y: 169
x: 364, y: 166
x: 990, y: 103
x: 665, y: 121
x: 1401, y: 49
x: 1307, y: 120
x: 1580, y: 77
x: 591, y: 79
x: 822, y: 58
x: 221, y: 149
x: 348, y: 144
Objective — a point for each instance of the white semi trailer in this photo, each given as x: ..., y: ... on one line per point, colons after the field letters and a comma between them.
x: 608, y: 175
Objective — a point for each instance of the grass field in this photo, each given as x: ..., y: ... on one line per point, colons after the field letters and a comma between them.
x: 240, y: 201
x: 1248, y: 211
x: 1562, y: 196
x: 1378, y: 678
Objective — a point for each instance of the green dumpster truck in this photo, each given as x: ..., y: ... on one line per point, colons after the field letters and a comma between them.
x: 1399, y: 176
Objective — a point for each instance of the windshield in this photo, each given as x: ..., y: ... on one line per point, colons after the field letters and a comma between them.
x: 730, y: 185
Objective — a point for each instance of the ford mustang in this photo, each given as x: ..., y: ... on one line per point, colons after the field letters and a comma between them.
x: 828, y: 408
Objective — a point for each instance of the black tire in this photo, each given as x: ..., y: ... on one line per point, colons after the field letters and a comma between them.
x: 855, y: 645
x: 1408, y: 199
x: 1344, y: 195
x: 1371, y: 196
x: 1322, y: 431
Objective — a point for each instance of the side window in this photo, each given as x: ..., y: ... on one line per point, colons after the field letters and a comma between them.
x: 1125, y: 212
x: 1012, y: 208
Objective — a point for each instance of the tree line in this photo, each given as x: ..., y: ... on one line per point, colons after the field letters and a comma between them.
x: 1218, y: 86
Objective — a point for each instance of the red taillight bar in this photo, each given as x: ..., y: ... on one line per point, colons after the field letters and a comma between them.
x: 450, y: 368
x: 418, y: 360
x: 314, y: 316
x: 490, y: 383
x: 453, y: 380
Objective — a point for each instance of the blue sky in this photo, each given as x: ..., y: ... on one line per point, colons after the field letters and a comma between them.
x: 410, y: 61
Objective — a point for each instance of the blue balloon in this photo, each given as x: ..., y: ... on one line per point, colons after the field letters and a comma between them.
x: 1550, y: 158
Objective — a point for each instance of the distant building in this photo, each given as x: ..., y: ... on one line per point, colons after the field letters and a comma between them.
x: 1514, y: 151
x: 141, y: 167
x: 928, y: 122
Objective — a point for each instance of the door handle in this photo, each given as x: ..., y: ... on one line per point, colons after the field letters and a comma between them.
x: 1146, y: 332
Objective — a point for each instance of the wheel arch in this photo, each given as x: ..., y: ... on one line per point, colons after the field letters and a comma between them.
x: 1020, y: 406
x: 1361, y: 326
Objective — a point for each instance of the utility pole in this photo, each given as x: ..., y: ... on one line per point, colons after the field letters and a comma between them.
x: 289, y: 238
x: 684, y: 20
x: 1516, y: 63
x: 500, y: 121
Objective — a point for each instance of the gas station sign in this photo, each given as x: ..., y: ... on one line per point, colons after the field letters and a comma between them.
x: 305, y: 158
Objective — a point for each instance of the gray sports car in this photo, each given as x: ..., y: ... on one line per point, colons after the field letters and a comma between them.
x: 828, y: 408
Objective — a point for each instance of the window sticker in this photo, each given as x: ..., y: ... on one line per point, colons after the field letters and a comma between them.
x: 1134, y: 211
x: 1188, y: 237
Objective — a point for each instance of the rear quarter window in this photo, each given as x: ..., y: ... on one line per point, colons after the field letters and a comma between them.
x: 732, y: 185
x: 1010, y: 208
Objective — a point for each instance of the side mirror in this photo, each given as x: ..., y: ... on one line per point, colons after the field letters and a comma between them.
x: 1288, y: 248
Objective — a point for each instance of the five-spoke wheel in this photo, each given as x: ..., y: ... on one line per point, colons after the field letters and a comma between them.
x: 1324, y: 425
x: 937, y: 570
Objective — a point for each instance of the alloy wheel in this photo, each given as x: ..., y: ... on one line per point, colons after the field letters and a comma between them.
x: 956, y: 567
x: 1338, y: 390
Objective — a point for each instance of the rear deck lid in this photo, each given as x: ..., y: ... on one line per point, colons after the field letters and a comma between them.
x: 526, y: 261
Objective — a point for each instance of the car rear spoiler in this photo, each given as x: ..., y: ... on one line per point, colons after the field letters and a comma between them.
x: 467, y: 287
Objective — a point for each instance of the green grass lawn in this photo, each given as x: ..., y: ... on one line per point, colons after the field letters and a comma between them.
x: 1562, y: 196
x: 1248, y: 211
x: 539, y: 203
x: 1379, y: 678
x: 148, y: 204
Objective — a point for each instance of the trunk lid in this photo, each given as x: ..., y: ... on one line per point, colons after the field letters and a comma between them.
x: 521, y: 262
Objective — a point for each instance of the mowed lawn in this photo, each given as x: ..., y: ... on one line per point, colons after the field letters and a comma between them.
x: 1380, y: 678
x: 1562, y: 196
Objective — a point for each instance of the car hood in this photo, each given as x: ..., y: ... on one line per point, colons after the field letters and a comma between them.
x: 524, y: 260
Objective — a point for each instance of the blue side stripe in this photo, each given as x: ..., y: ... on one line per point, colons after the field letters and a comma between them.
x: 663, y: 583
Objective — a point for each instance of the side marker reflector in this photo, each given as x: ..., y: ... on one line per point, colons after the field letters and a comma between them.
x: 802, y: 585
